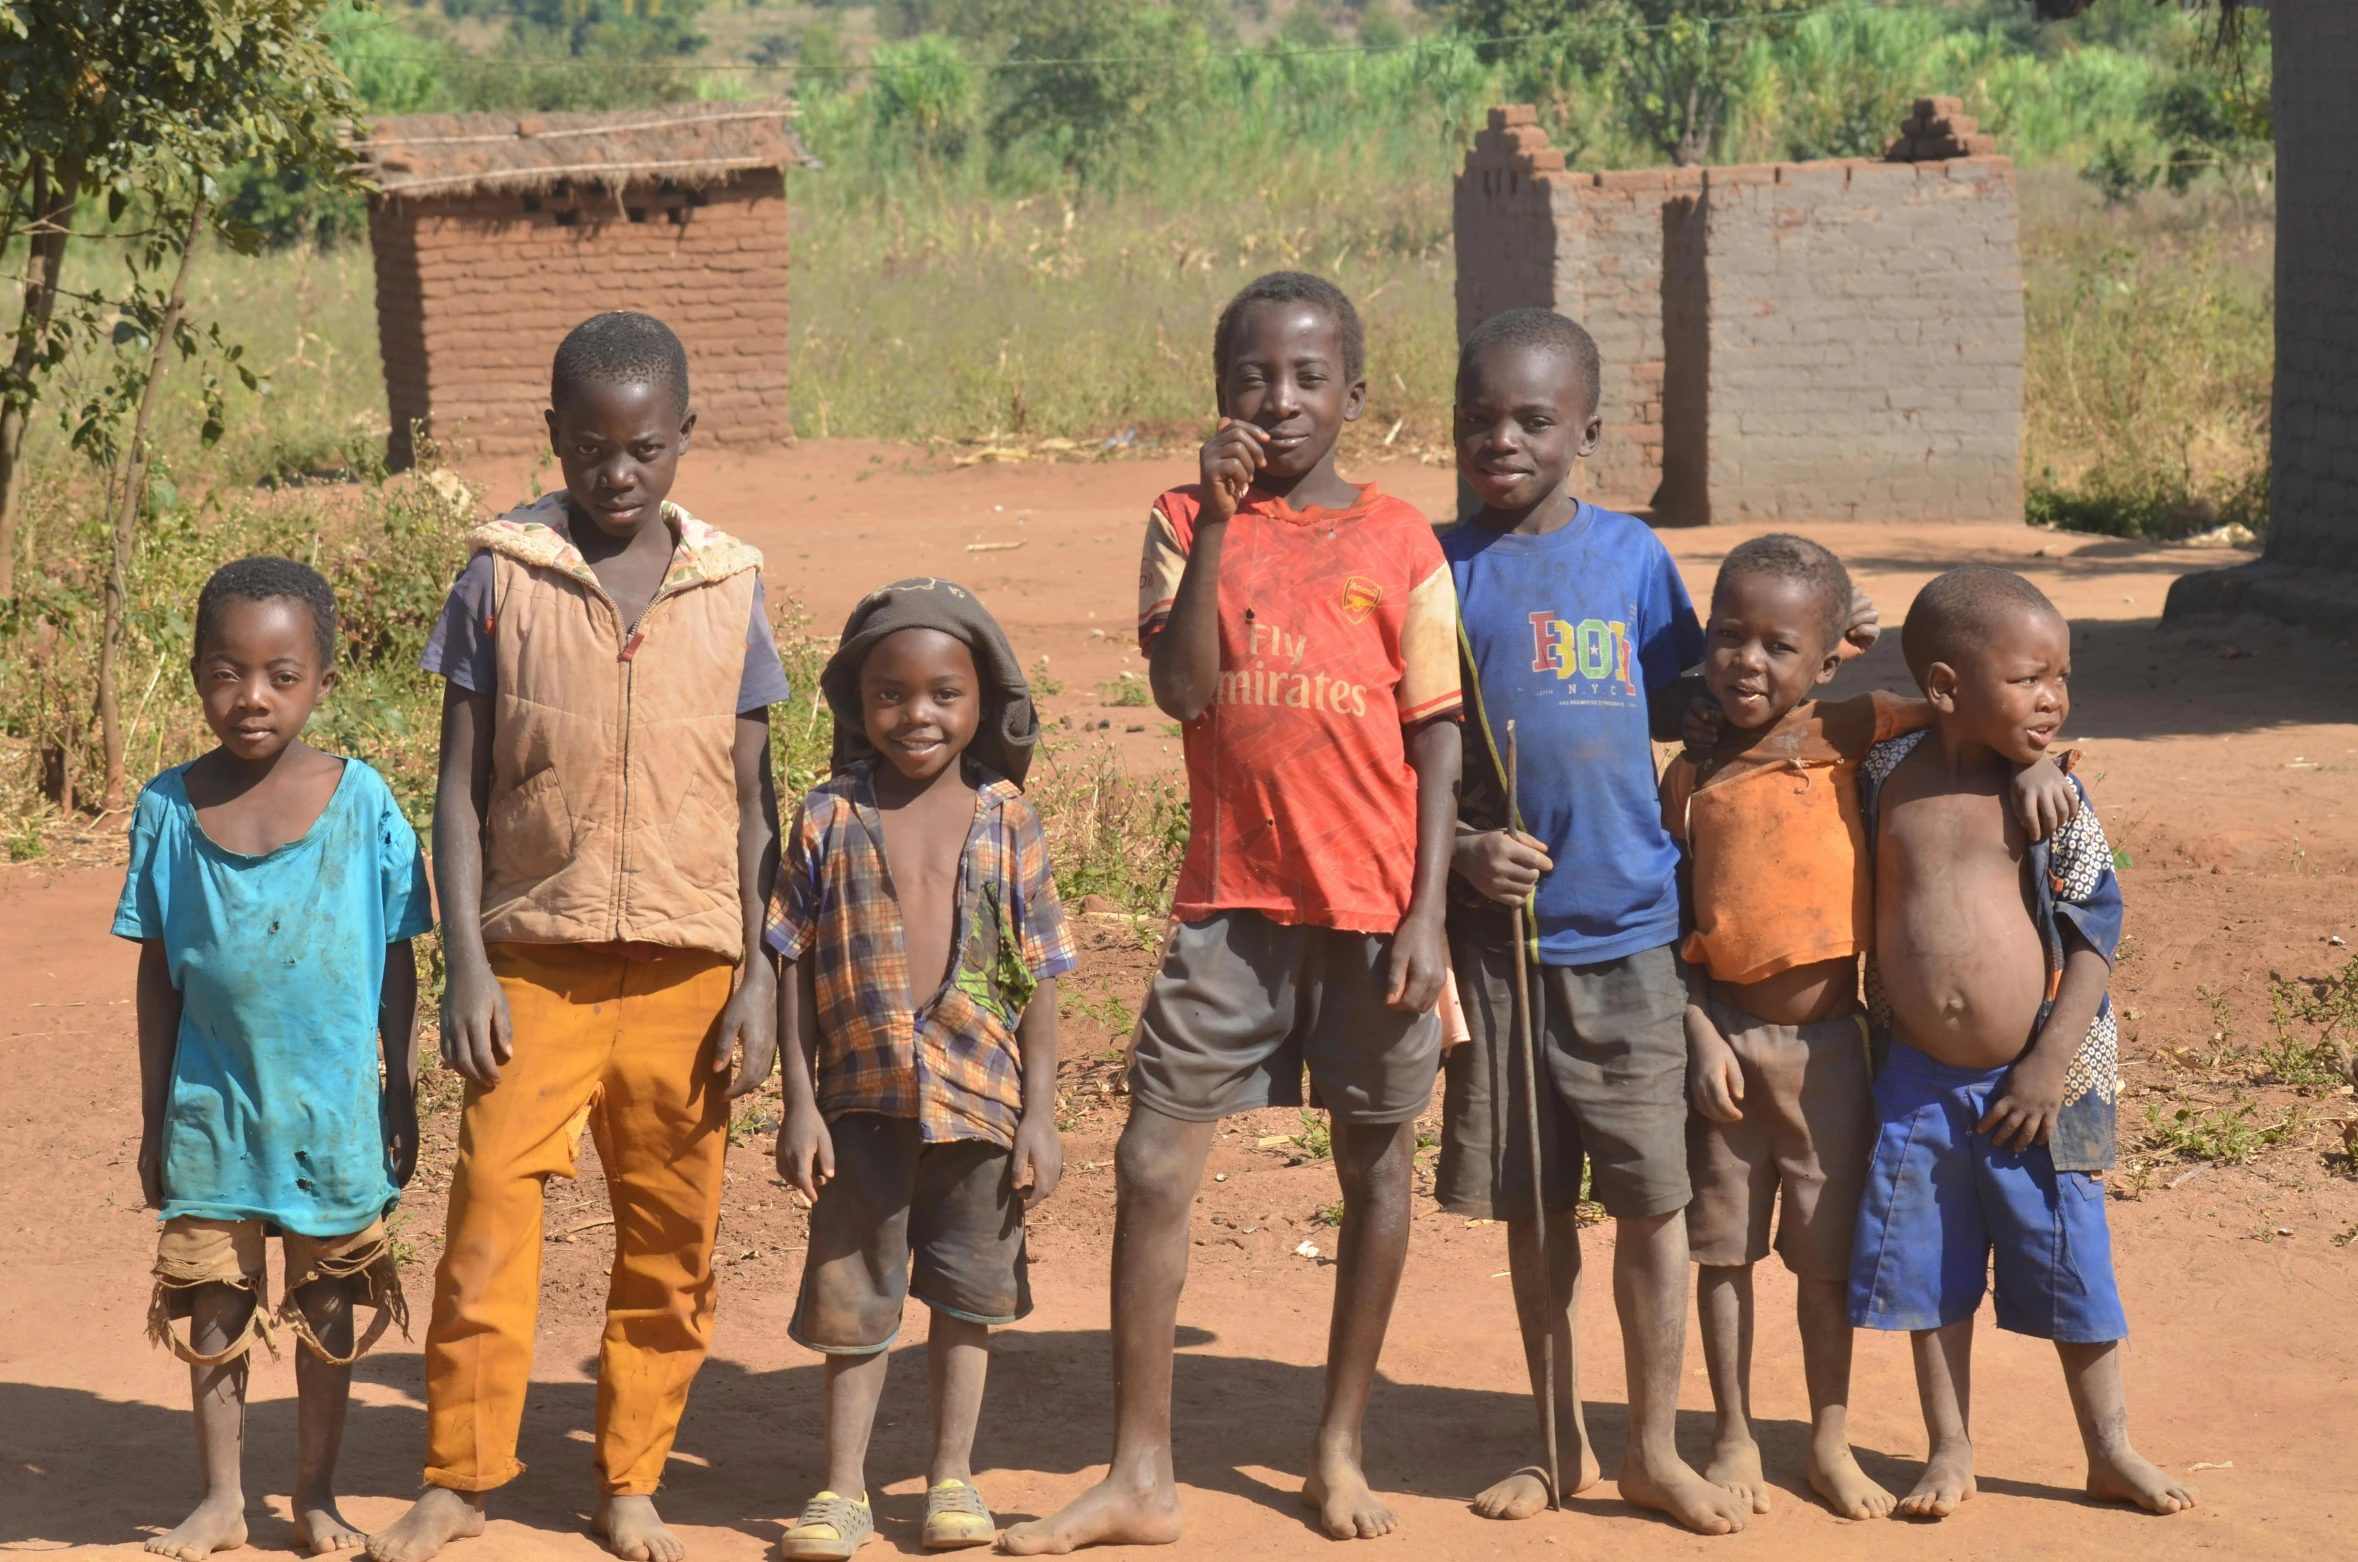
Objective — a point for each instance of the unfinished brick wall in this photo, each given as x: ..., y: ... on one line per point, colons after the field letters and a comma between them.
x: 474, y: 292
x: 1782, y: 342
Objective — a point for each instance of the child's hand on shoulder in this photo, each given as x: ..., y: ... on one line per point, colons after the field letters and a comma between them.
x: 1038, y: 1163
x: 1231, y: 457
x: 1503, y: 865
x: 2043, y: 799
x: 806, y: 1150
x: 1866, y: 627
x: 2027, y: 1104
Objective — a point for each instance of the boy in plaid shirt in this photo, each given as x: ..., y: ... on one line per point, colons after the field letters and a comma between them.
x: 921, y: 922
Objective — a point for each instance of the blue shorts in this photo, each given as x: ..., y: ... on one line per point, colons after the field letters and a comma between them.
x: 1942, y: 1200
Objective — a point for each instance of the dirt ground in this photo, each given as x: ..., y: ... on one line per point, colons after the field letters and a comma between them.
x: 2222, y: 757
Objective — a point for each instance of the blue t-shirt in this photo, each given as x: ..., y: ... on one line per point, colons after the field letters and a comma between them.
x: 1567, y: 635
x: 275, y: 1110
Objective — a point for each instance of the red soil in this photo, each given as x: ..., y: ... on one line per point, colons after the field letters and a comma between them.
x: 2225, y: 777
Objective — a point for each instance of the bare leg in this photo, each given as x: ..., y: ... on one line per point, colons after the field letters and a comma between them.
x: 1373, y: 1162
x: 958, y: 1361
x: 854, y: 1385
x: 1823, y: 1310
x: 322, y: 1393
x: 1944, y: 1384
x: 1723, y: 1299
x: 1524, y: 1493
x: 1157, y: 1168
x: 1650, y: 1294
x: 218, y: 1314
x: 2116, y: 1472
x: 432, y: 1522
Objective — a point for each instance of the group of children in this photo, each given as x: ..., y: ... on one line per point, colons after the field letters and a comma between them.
x: 1405, y: 752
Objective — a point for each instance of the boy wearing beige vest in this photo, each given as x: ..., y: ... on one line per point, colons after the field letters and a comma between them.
x: 605, y: 834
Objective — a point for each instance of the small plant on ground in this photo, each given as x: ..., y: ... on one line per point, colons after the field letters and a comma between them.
x: 1329, y: 1214
x: 1316, y: 1139
x: 1042, y: 683
x: 1127, y: 690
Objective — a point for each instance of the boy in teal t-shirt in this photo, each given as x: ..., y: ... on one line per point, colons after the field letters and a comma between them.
x: 273, y: 891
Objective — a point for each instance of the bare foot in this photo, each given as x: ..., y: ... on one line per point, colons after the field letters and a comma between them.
x: 218, y: 1524
x: 1678, y: 1491
x: 320, y: 1529
x: 1109, y: 1513
x: 1517, y: 1497
x: 432, y: 1522
x: 1946, y: 1486
x: 1338, y: 1489
x: 1735, y: 1468
x: 1834, y: 1474
x: 635, y: 1532
x: 2123, y: 1476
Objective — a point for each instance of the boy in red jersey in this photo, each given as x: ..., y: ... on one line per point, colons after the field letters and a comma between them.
x: 1303, y: 629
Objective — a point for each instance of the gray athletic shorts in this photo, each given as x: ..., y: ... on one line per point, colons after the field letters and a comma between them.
x: 1614, y: 1056
x: 1242, y: 1004
x: 895, y: 1205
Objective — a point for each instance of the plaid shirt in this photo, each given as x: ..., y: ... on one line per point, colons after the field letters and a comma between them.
x: 951, y: 1064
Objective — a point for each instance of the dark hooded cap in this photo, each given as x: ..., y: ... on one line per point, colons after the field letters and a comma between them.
x: 1010, y: 728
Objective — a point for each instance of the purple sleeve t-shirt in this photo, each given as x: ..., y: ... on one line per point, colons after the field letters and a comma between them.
x: 462, y: 650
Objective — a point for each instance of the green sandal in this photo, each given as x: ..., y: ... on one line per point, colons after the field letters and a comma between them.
x: 831, y: 1528
x: 955, y: 1517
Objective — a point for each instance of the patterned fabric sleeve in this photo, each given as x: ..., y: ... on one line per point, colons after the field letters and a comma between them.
x: 793, y: 912
x: 1039, y: 912
x: 1159, y: 570
x: 2079, y: 871
x: 1428, y: 648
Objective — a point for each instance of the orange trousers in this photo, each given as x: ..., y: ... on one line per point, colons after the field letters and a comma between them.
x: 613, y: 1036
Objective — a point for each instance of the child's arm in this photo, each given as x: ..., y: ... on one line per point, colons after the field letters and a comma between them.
x: 2043, y: 798
x: 2025, y: 1109
x: 159, y: 1038
x: 806, y: 1151
x: 397, y: 1034
x: 1435, y: 753
x: 477, y: 1034
x: 1183, y: 664
x: 1713, y: 1078
x: 1502, y: 865
x: 749, y: 1016
x: 1039, y: 1154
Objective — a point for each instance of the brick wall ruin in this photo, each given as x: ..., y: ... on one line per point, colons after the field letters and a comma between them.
x: 1781, y: 342
x: 474, y: 292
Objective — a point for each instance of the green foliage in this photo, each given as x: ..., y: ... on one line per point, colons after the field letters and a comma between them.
x: 1126, y: 690
x: 2330, y: 1005
x: 928, y: 92
x: 2225, y: 1136
x: 622, y: 29
x: 1316, y: 1139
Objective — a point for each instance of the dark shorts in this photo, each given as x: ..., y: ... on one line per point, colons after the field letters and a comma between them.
x: 903, y: 1218
x: 1946, y: 1209
x: 1243, y: 1004
x: 1613, y: 1053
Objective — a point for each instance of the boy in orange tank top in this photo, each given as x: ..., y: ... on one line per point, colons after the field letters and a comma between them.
x: 1778, y: 902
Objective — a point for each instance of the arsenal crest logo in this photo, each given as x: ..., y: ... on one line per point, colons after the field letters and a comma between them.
x: 1360, y: 596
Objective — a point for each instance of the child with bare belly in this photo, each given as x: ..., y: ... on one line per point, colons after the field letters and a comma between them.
x: 1994, y: 1105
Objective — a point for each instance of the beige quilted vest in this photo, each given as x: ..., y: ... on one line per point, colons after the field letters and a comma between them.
x: 613, y: 813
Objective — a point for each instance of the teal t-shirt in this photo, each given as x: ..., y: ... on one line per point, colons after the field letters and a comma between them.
x: 276, y: 1110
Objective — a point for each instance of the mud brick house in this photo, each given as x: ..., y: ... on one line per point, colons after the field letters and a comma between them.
x: 1781, y: 342
x: 495, y: 235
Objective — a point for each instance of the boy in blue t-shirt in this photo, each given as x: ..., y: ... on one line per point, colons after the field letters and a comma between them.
x: 1574, y: 625
x: 273, y: 891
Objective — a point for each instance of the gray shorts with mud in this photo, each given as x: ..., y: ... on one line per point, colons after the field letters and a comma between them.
x: 1612, y: 1051
x: 1243, y: 1005
x: 902, y: 1218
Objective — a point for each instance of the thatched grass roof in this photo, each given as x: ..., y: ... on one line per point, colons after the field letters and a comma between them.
x: 695, y: 145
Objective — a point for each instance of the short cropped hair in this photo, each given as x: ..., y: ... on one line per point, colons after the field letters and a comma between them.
x: 265, y: 578
x: 1539, y: 330
x: 1783, y: 556
x: 1960, y: 611
x: 1292, y: 287
x: 620, y: 348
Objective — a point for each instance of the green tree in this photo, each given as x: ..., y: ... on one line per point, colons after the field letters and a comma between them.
x: 1095, y: 78
x: 117, y: 119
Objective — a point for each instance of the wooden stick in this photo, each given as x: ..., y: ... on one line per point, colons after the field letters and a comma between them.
x: 1526, y: 1042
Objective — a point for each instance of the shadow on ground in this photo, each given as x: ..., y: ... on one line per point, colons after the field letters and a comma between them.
x: 749, y: 1450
